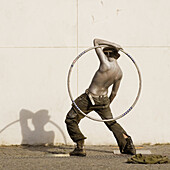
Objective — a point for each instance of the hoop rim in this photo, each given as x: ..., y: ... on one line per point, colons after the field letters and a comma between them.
x: 121, y: 115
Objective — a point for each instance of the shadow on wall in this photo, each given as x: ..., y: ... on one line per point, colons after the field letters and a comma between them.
x: 36, y: 135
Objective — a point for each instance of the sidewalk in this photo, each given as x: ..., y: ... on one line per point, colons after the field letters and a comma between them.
x: 98, y: 157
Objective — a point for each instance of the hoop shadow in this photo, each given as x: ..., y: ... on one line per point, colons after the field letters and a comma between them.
x: 37, y: 136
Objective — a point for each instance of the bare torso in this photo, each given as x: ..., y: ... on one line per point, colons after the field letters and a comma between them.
x: 105, y: 76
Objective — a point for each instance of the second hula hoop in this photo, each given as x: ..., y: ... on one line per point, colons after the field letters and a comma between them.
x: 104, y: 120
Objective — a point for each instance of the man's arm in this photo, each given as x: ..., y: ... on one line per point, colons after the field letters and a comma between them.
x: 100, y: 52
x: 114, y: 90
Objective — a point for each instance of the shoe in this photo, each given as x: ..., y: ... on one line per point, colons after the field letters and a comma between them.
x: 78, y: 152
x: 129, y: 147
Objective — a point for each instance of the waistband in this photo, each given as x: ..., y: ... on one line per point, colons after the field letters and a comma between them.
x: 93, y: 96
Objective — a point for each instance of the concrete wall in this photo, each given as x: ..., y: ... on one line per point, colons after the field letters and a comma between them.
x: 39, y: 40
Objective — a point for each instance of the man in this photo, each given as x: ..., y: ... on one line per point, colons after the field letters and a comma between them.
x: 95, y: 98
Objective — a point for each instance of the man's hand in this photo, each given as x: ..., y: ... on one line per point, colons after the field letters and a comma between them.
x: 112, y: 96
x: 118, y: 47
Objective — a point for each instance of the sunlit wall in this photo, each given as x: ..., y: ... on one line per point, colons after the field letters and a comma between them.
x: 39, y: 40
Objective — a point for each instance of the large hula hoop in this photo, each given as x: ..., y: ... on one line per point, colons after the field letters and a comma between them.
x: 104, y: 120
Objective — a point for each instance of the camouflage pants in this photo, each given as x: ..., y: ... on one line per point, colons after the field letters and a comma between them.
x: 103, y: 109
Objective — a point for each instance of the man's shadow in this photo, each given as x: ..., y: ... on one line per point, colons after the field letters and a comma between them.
x: 38, y: 135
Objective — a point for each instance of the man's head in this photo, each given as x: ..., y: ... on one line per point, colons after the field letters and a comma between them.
x: 111, y: 52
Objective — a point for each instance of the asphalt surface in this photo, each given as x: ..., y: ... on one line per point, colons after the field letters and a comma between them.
x: 98, y: 157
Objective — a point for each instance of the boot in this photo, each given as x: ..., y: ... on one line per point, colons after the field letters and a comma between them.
x: 79, y: 150
x: 129, y: 147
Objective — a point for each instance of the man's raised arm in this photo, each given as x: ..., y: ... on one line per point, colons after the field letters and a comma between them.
x: 100, y: 52
x: 97, y: 41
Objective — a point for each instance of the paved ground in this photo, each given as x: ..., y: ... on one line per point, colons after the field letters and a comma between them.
x: 98, y: 157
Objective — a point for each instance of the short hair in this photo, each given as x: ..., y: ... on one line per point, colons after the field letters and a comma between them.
x: 110, y: 49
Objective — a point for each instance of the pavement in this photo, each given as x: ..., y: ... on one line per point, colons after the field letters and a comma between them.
x: 98, y: 157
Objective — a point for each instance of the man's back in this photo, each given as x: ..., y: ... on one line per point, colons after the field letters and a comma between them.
x: 107, y: 74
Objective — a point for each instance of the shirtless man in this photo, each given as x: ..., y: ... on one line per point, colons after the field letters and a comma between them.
x: 95, y: 99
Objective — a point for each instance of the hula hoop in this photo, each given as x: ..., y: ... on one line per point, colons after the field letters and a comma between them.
x: 104, y: 120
